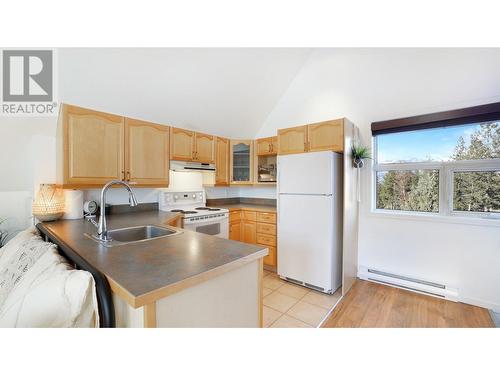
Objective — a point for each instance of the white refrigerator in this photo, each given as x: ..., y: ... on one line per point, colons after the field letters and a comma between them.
x: 310, y: 219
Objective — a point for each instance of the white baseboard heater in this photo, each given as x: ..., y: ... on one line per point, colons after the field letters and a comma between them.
x: 408, y: 283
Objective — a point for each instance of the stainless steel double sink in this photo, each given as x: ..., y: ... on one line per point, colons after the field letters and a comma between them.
x: 124, y: 236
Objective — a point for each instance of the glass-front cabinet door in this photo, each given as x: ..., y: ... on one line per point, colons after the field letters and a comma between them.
x: 241, y: 162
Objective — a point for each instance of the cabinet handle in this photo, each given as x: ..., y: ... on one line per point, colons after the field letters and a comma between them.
x: 128, y: 175
x: 123, y: 175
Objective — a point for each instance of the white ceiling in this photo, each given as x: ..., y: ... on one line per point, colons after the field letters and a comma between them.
x: 228, y: 92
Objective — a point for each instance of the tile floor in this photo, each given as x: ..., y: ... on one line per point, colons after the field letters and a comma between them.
x: 288, y: 305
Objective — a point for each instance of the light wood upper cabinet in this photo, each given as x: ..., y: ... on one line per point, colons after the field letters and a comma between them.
x: 146, y: 153
x: 181, y: 144
x: 222, y: 161
x: 267, y: 146
x: 186, y: 145
x: 90, y: 147
x: 94, y: 148
x: 292, y: 140
x: 241, y: 162
x: 204, y: 148
x: 327, y: 135
x: 321, y: 136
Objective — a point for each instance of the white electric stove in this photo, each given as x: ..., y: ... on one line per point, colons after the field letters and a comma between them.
x: 196, y: 216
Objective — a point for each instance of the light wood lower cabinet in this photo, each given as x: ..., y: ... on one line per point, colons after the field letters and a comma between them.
x: 248, y: 231
x: 235, y: 225
x: 146, y: 153
x: 255, y: 227
x: 235, y: 231
x: 266, y: 228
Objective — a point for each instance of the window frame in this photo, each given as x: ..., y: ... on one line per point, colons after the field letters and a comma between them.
x: 446, y: 171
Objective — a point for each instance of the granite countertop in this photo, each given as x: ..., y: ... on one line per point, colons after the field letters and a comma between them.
x: 247, y: 206
x: 143, y: 272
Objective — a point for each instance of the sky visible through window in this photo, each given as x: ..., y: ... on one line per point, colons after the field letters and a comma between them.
x: 422, y: 145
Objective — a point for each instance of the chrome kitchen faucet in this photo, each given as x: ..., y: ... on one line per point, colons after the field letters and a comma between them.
x: 102, y: 230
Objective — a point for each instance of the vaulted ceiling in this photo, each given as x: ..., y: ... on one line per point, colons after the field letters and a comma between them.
x: 228, y: 92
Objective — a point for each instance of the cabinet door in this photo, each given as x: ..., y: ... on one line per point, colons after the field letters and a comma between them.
x: 235, y: 231
x: 241, y: 156
x: 248, y: 231
x: 264, y: 146
x: 92, y: 147
x: 270, y: 259
x: 327, y: 135
x: 181, y: 144
x: 204, y: 149
x: 274, y: 145
x: 292, y: 140
x: 146, y: 153
x: 222, y: 161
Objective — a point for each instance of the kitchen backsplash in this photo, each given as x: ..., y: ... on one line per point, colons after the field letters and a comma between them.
x: 241, y: 191
x: 120, y: 196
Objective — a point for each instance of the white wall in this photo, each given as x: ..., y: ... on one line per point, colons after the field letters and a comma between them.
x: 27, y: 158
x: 367, y: 85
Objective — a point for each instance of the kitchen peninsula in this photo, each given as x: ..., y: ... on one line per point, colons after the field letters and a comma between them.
x: 184, y: 280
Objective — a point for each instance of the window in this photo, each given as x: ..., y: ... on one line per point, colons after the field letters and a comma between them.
x: 408, y: 190
x: 449, y: 170
x: 476, y: 191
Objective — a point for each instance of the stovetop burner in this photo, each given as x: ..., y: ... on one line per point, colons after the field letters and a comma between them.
x: 207, y: 209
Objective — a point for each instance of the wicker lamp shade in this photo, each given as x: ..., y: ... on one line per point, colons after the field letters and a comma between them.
x: 49, y: 203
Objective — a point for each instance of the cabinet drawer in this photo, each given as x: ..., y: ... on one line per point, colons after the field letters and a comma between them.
x: 266, y: 239
x: 270, y: 259
x: 266, y: 228
x: 266, y: 217
x: 249, y: 215
x: 234, y: 216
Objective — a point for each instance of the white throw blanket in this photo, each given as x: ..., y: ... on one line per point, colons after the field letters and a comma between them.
x: 39, y: 289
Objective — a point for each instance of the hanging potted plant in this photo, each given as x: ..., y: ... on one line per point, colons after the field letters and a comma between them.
x: 359, y: 154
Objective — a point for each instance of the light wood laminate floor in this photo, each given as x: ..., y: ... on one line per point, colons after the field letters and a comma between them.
x: 374, y: 305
